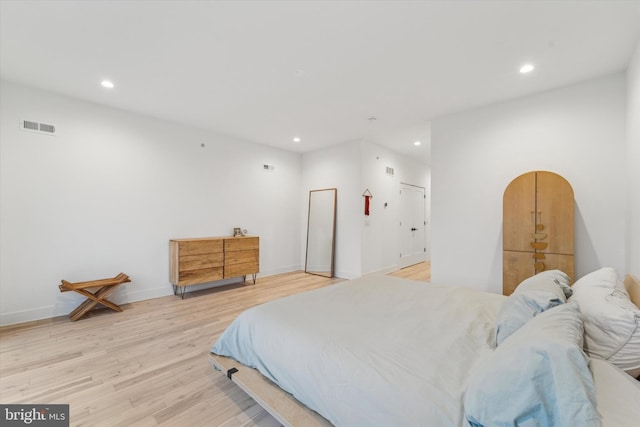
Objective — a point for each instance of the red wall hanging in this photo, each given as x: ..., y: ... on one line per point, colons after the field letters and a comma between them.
x: 367, y: 200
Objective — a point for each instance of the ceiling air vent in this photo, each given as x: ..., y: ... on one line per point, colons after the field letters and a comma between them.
x: 389, y: 171
x: 32, y: 126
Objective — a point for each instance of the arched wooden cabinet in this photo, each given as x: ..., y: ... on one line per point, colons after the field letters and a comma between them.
x: 537, y: 227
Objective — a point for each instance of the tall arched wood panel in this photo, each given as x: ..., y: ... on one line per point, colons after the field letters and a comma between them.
x: 537, y: 214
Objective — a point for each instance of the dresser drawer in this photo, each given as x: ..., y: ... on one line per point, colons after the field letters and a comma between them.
x: 197, y: 262
x: 198, y: 247
x: 243, y: 269
x: 241, y: 257
x: 200, y: 276
x: 235, y: 244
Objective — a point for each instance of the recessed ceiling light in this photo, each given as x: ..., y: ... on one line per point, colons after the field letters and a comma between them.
x: 526, y: 68
x: 417, y: 143
x: 296, y: 139
x: 107, y: 84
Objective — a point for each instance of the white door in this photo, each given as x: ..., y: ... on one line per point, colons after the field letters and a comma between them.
x: 412, y: 225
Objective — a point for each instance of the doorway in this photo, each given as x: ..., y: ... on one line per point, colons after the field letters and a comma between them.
x: 413, y: 225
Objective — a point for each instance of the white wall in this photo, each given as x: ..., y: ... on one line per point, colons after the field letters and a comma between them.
x: 336, y: 167
x: 577, y: 132
x: 633, y: 162
x: 108, y: 192
x: 363, y: 244
x: 380, y: 240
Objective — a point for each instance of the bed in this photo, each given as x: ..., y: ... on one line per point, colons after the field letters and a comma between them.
x: 393, y: 351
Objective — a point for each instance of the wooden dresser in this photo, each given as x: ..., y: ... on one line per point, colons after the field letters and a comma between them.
x: 207, y: 259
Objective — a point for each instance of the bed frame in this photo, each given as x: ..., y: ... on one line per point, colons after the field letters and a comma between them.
x: 633, y: 288
x: 284, y: 407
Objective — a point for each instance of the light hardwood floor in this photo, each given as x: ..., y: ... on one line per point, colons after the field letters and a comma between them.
x: 148, y: 365
x: 421, y: 272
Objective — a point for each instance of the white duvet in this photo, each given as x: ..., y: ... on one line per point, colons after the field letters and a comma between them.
x: 377, y: 351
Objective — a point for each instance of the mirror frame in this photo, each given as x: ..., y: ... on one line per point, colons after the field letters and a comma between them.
x: 332, y: 249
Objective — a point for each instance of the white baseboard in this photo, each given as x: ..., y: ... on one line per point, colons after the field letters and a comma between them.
x: 23, y: 316
x: 123, y: 295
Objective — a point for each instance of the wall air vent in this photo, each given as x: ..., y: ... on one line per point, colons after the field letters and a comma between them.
x: 27, y: 125
x: 47, y: 128
x: 32, y: 126
x: 390, y: 171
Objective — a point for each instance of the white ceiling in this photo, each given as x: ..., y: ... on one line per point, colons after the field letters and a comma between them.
x: 267, y: 71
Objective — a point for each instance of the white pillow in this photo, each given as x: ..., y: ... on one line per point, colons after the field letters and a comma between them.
x: 605, y: 278
x: 628, y: 357
x: 532, y: 296
x: 611, y: 320
x: 560, y: 278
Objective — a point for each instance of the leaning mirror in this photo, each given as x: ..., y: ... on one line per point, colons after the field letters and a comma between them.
x: 321, y: 232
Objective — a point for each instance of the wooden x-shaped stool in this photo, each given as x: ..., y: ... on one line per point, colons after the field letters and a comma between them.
x: 107, y: 287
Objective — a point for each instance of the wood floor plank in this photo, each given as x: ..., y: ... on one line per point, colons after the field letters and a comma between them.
x: 420, y: 272
x: 147, y: 365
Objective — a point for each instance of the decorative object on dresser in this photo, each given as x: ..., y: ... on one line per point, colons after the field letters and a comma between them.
x: 207, y: 259
x: 107, y: 287
x: 538, y: 216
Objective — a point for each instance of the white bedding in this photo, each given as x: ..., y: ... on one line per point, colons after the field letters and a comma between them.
x: 617, y: 393
x: 404, y: 358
